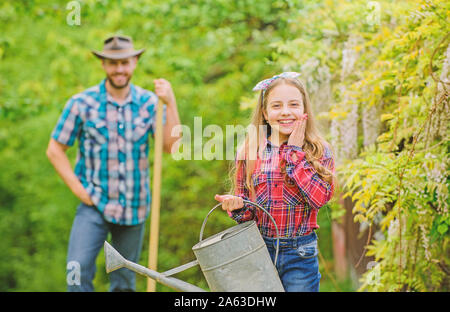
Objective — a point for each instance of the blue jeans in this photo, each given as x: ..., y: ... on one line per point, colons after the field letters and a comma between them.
x: 297, y: 264
x: 89, y: 231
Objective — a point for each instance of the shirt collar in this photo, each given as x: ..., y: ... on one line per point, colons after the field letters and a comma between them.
x: 105, y: 97
x: 269, y: 145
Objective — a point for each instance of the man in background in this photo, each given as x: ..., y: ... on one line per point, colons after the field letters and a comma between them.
x: 112, y: 122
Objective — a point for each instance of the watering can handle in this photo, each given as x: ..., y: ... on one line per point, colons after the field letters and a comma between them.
x: 256, y: 205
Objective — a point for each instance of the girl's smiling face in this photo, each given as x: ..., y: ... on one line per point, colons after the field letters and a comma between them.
x: 284, y: 107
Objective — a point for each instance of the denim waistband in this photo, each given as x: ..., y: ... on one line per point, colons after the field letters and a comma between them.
x: 290, y: 242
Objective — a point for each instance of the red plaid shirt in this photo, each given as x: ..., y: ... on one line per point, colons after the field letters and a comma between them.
x: 293, y: 199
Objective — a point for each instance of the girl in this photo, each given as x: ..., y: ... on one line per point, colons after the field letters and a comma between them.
x: 290, y: 173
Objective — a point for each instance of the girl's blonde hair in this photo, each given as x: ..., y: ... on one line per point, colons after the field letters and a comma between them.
x: 314, y: 144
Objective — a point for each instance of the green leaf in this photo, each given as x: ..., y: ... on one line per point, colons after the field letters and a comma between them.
x: 442, y: 228
x: 385, y: 117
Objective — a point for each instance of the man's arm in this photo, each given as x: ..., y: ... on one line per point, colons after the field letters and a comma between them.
x: 172, y: 120
x: 163, y: 90
x: 56, y: 153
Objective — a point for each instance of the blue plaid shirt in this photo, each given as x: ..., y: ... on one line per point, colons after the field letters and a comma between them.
x: 112, y: 160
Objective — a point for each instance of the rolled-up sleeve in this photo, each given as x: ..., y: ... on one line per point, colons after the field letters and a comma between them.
x: 152, y: 109
x: 69, y: 124
x: 246, y: 213
x: 316, y: 191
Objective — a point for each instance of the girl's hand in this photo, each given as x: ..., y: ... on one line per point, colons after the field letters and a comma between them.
x: 297, y: 136
x: 230, y: 202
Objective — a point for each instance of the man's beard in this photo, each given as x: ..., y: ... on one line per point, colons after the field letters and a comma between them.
x: 118, y: 86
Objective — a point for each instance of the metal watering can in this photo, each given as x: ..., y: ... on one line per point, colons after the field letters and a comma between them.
x: 236, y: 259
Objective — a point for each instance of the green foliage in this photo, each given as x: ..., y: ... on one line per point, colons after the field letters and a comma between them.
x: 400, y: 184
x: 405, y: 178
x: 213, y: 52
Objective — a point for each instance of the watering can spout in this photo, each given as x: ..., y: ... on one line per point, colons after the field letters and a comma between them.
x: 236, y: 259
x: 114, y: 260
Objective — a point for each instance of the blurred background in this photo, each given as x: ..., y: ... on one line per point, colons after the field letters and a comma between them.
x: 377, y: 74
